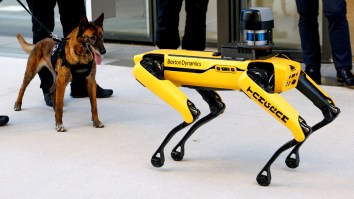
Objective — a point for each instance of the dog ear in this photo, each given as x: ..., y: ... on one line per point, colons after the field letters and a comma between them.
x: 83, y: 24
x: 99, y: 20
x: 84, y: 20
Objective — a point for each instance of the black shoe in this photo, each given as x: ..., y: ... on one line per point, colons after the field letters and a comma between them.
x: 3, y: 120
x: 315, y: 75
x: 346, y: 76
x: 48, y: 99
x: 100, y: 93
x: 103, y: 93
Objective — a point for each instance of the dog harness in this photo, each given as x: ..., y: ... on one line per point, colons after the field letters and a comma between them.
x: 77, y: 70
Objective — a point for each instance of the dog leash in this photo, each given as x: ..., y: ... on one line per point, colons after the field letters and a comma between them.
x: 54, y: 37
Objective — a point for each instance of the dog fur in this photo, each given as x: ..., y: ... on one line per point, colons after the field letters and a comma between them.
x: 84, y: 45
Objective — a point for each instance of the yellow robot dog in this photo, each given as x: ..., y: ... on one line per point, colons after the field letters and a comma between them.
x: 245, y: 67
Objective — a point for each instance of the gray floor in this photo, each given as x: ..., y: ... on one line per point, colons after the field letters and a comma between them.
x: 222, y: 158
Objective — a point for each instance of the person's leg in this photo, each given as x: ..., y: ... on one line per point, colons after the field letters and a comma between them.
x: 167, y: 35
x: 195, y: 30
x: 43, y: 11
x: 70, y: 16
x: 309, y: 35
x: 336, y: 14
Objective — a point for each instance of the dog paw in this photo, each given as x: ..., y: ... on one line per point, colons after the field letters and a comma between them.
x: 17, y: 107
x: 61, y: 128
x: 98, y: 124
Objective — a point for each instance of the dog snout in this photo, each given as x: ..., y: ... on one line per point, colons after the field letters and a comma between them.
x: 103, y: 51
x: 102, y: 48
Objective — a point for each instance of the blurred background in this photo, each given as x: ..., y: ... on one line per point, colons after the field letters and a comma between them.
x: 134, y: 23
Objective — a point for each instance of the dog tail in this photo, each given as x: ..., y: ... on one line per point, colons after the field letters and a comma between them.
x: 25, y: 46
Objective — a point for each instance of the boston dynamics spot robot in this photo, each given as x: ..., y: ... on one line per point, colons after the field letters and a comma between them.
x: 248, y: 66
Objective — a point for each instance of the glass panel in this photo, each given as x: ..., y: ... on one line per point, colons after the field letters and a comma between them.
x: 286, y: 31
x: 211, y: 23
x: 132, y: 22
x: 14, y: 19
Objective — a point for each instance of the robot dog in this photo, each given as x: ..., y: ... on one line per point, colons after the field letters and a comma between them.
x: 249, y: 67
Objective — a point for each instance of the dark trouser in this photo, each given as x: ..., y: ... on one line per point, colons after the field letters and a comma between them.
x: 167, y: 35
x: 70, y: 12
x: 335, y: 12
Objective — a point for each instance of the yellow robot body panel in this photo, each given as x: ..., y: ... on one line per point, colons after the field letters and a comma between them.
x: 209, y: 79
x: 274, y: 104
x: 286, y: 72
x: 202, y: 69
x: 173, y: 52
x: 166, y: 90
x: 184, y: 53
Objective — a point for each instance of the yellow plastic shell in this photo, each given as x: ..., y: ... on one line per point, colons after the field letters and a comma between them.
x: 201, y: 69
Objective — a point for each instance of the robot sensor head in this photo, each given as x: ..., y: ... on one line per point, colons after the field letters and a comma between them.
x: 256, y: 26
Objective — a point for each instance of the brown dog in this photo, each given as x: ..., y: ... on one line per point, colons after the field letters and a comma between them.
x: 74, y: 57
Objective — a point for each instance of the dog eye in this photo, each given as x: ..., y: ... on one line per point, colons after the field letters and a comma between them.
x: 93, y: 38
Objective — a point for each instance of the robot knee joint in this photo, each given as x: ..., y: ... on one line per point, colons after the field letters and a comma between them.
x: 330, y: 112
x: 153, y: 66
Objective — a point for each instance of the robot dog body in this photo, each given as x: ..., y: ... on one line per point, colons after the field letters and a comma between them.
x: 202, y: 70
x: 262, y: 80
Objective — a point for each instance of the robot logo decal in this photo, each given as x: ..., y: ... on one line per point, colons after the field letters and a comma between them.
x: 268, y: 105
x: 183, y: 63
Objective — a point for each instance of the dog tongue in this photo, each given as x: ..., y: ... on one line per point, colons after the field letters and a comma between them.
x: 98, y: 58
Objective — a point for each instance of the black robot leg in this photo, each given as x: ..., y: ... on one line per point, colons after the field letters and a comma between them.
x: 329, y: 111
x: 216, y: 106
x: 158, y: 158
x: 324, y: 103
